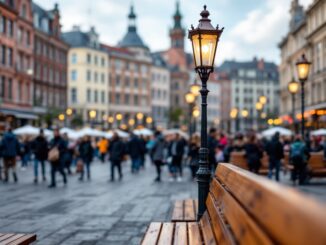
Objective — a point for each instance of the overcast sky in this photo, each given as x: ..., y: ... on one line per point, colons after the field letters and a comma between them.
x: 252, y: 27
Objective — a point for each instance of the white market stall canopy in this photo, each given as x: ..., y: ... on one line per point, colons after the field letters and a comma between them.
x: 143, y: 131
x: 176, y: 131
x: 72, y: 134
x: 271, y: 131
x: 33, y: 131
x: 319, y: 132
x: 90, y: 132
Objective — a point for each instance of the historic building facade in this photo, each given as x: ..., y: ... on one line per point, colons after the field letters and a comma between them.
x: 16, y: 62
x: 87, y: 75
x: 307, y: 34
x: 50, y: 62
x: 248, y: 81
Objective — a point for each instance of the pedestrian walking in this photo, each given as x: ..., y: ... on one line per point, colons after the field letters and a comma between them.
x: 25, y: 152
x: 143, y: 151
x: 299, y: 155
x: 103, y: 146
x: 67, y: 154
x: 135, y: 151
x: 10, y: 150
x: 86, y: 153
x: 193, y: 155
x: 40, y: 149
x: 116, y: 154
x: 275, y: 152
x: 55, y: 156
x: 212, y: 145
x: 253, y: 154
x: 158, y: 154
x: 177, y: 151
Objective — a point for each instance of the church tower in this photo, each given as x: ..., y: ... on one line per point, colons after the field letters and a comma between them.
x: 177, y: 33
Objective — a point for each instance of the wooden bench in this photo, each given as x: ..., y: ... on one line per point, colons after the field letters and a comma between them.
x: 239, y: 159
x: 185, y: 210
x: 317, y: 165
x: 17, y: 239
x: 243, y: 208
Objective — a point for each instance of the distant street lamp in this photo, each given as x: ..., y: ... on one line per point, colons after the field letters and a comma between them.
x: 149, y: 120
x: 140, y: 117
x: 245, y: 114
x: 119, y: 117
x: 131, y: 122
x: 303, y: 68
x: 195, y: 114
x: 69, y: 111
x: 263, y: 100
x: 190, y: 99
x: 204, y: 41
x: 110, y: 121
x: 195, y: 89
x: 61, y: 117
x: 92, y: 114
x: 293, y: 88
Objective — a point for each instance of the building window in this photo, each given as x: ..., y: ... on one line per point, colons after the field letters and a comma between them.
x: 117, y: 98
x: 73, y: 94
x: 89, y: 58
x: 89, y: 95
x: 73, y: 75
x: 88, y: 75
x: 103, y: 97
x: 3, y: 24
x: 136, y: 100
x: 2, y: 86
x: 28, y: 38
x: 136, y: 83
x: 10, y: 28
x: 73, y: 58
x: 95, y: 59
x: 102, y: 78
x: 127, y: 99
x: 117, y: 81
x: 95, y: 96
x: 24, y: 11
x: 10, y: 88
x: 127, y: 82
x: 103, y: 62
x: 3, y: 54
x: 95, y: 77
x: 10, y: 63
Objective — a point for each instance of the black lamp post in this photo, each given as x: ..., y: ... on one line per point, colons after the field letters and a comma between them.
x: 204, y: 40
x: 303, y: 67
x: 293, y: 87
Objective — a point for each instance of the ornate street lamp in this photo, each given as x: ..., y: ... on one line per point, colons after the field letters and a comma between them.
x: 293, y: 87
x: 204, y: 41
x: 303, y: 68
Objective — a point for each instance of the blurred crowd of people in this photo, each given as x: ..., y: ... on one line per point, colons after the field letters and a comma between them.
x: 174, y: 151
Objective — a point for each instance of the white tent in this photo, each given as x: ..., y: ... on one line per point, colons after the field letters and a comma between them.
x: 271, y: 131
x: 72, y: 134
x: 30, y: 130
x: 176, y: 131
x: 121, y: 133
x: 90, y: 132
x: 143, y: 131
x: 319, y: 132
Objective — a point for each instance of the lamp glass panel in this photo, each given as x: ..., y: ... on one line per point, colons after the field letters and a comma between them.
x: 303, y: 70
x: 206, y: 49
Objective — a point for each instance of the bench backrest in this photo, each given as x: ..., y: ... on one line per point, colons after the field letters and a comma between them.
x: 316, y: 160
x: 247, y: 209
x: 239, y: 159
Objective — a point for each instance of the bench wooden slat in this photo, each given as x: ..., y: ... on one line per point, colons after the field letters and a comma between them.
x: 189, y: 210
x: 206, y: 227
x: 166, y: 236
x: 178, y: 214
x: 152, y: 234
x: 288, y: 216
x: 180, y: 233
x: 6, y: 236
x: 25, y: 240
x: 194, y: 234
x: 220, y: 229
x: 245, y: 230
x: 13, y: 238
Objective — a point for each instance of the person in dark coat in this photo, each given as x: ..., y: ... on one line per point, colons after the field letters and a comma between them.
x: 67, y: 155
x: 57, y: 165
x: 193, y: 155
x: 253, y: 154
x: 86, y: 153
x: 135, y: 150
x: 40, y: 149
x: 158, y: 154
x: 177, y: 151
x: 274, y: 150
x: 143, y: 151
x: 10, y: 150
x: 116, y: 151
x: 212, y: 145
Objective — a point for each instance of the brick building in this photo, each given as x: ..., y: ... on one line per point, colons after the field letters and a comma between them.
x: 50, y: 62
x: 16, y: 62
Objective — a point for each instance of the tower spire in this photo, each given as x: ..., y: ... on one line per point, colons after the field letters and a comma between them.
x: 177, y: 16
x: 132, y: 19
x: 177, y: 33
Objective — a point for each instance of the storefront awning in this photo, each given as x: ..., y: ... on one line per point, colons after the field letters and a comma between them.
x: 19, y: 114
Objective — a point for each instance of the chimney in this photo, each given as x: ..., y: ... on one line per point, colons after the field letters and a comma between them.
x: 261, y: 64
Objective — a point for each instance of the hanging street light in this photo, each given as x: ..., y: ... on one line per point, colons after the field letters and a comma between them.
x: 303, y: 68
x: 204, y: 39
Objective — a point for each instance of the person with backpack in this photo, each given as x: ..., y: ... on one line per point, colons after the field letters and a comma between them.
x: 86, y: 153
x: 40, y: 150
x: 10, y: 150
x: 299, y: 156
x: 274, y: 150
x: 116, y: 152
x: 158, y: 154
x: 135, y: 150
x: 56, y: 157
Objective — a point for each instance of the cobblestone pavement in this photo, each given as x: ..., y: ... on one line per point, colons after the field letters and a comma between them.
x: 97, y: 211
